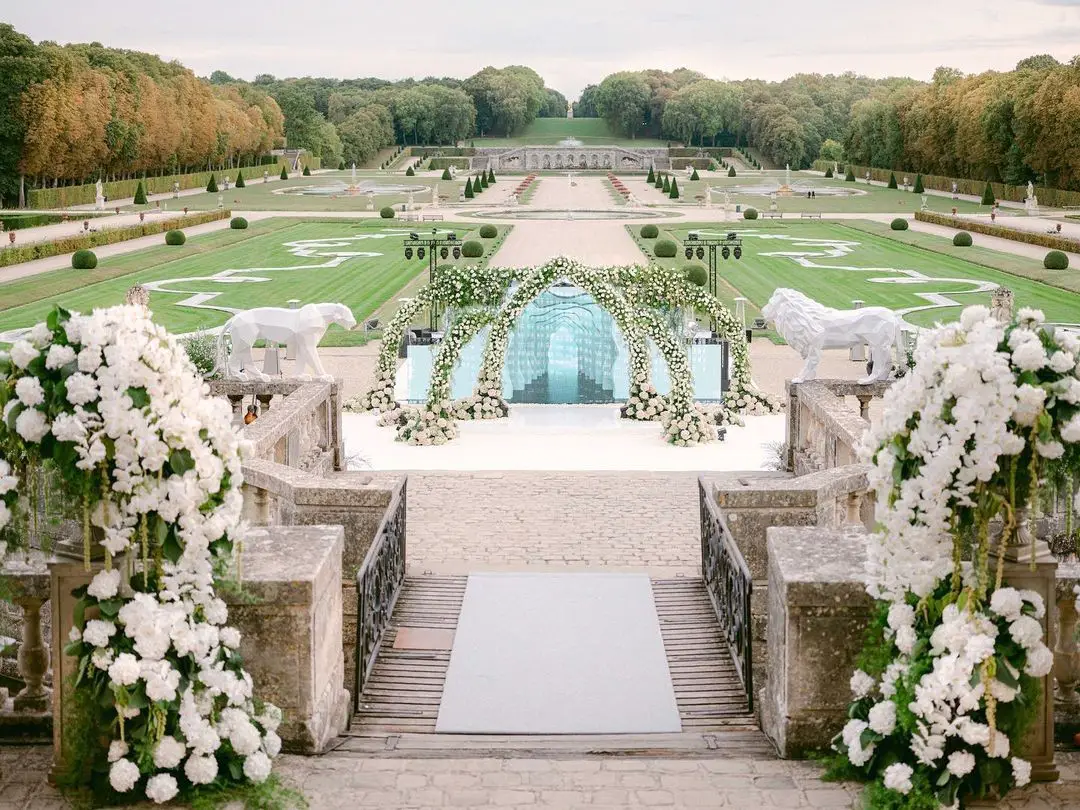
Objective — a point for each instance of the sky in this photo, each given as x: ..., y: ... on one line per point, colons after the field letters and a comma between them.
x: 571, y: 43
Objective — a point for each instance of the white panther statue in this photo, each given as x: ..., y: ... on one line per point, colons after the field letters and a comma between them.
x: 810, y: 327
x: 304, y: 327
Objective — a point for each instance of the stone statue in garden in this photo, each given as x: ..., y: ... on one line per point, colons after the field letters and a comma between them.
x: 303, y: 327
x: 99, y: 195
x: 810, y: 327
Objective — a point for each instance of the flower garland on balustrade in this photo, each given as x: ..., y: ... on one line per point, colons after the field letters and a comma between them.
x: 111, y: 403
x: 950, y: 678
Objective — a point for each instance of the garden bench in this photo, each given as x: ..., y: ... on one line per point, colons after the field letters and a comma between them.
x: 433, y: 218
x: 772, y: 215
x: 810, y: 215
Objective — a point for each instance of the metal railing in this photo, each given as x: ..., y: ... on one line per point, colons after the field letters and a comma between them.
x: 729, y: 585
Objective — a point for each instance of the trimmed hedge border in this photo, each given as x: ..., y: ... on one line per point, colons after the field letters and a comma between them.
x: 1015, y: 234
x: 58, y: 247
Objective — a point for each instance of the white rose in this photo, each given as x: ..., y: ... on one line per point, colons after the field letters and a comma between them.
x: 123, y: 775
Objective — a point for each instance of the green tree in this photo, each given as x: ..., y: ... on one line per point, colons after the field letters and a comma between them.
x: 469, y: 194
x: 284, y: 173
x: 988, y: 197
x: 666, y: 186
x: 918, y: 189
x: 652, y: 176
x: 22, y: 64
x: 622, y: 100
x: 831, y: 150
x: 240, y: 180
x: 446, y: 174
x: 892, y: 180
x: 731, y: 171
x: 694, y: 175
x: 140, y: 193
x: 674, y: 193
x: 483, y: 179
x: 491, y: 175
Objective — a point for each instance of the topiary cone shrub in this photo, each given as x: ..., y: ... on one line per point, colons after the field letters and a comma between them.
x: 666, y: 186
x: 962, y: 239
x: 469, y: 193
x: 211, y: 186
x: 341, y: 166
x: 918, y: 185
x: 175, y: 238
x: 828, y: 172
x: 892, y: 180
x: 651, y: 179
x: 238, y: 223
x: 284, y: 173
x: 306, y: 172
x: 649, y: 232
x: 84, y: 260
x: 240, y: 180
x: 665, y: 249
x: 1056, y: 260
x: 695, y: 175
x: 491, y: 176
x: 409, y: 172
x: 899, y: 224
x: 659, y: 181
x: 386, y: 212
x: 731, y: 171
x: 674, y: 194
x: 850, y: 176
x: 488, y: 231
x: 140, y: 194
x: 472, y: 249
x: 696, y: 274
x: 483, y: 181
x: 750, y: 213
x: 988, y: 197
x: 446, y: 174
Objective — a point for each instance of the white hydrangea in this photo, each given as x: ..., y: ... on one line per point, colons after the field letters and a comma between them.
x: 161, y: 788
x: 201, y: 770
x: 861, y: 684
x: 898, y: 777
x: 1026, y: 631
x: 1021, y: 769
x: 123, y: 774
x: 29, y: 391
x: 882, y: 717
x: 257, y: 767
x: 169, y: 752
x: 961, y: 763
x: 1007, y: 603
x: 22, y: 353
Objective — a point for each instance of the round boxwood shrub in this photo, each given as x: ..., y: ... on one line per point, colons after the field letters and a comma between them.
x: 488, y: 231
x: 175, y: 238
x: 665, y: 249
x: 649, y: 232
x: 696, y: 274
x: 238, y: 223
x: 1056, y: 260
x: 962, y: 239
x: 472, y: 250
x: 87, y: 260
x: 899, y: 224
x: 386, y: 212
x: 750, y: 213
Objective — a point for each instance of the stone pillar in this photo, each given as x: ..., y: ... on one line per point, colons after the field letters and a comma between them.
x: 864, y: 405
x: 33, y: 659
x: 857, y: 354
x: 1067, y: 652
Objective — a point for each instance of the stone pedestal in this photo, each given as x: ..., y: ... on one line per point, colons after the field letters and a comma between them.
x: 818, y: 613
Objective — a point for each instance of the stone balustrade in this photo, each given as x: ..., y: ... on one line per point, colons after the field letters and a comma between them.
x: 823, y: 430
x: 1067, y: 653
x: 27, y: 715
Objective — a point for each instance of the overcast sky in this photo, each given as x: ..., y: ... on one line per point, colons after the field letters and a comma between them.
x: 571, y: 43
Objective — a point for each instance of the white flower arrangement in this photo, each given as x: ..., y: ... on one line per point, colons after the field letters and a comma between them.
x: 963, y: 441
x: 121, y: 414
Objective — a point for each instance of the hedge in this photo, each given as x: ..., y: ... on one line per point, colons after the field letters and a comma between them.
x: 472, y: 250
x: 488, y: 231
x: 386, y: 212
x: 697, y: 151
x: 66, y: 196
x: 83, y: 260
x: 13, y: 221
x: 899, y: 224
x: 750, y: 213
x: 1056, y: 260
x: 1015, y: 234
x: 665, y: 249
x: 86, y: 241
x: 649, y: 232
x: 1052, y: 197
x: 461, y: 164
x: 829, y: 172
x: 238, y: 223
x: 962, y: 239
x: 696, y: 274
x: 175, y: 237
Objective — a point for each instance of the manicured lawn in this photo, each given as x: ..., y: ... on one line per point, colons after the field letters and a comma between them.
x: 265, y: 272
x: 876, y: 199
x: 590, y: 131
x: 873, y: 256
x: 260, y: 196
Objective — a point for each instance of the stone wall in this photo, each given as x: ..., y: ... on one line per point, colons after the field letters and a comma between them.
x: 539, y: 158
x: 823, y: 430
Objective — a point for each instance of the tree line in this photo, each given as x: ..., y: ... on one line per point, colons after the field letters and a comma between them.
x: 76, y: 113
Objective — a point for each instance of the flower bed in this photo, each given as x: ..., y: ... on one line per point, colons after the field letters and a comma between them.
x: 111, y: 404
x: 1002, y: 231
x: 951, y: 676
x: 106, y: 236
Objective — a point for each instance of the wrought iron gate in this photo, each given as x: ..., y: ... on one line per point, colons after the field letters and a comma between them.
x: 728, y: 583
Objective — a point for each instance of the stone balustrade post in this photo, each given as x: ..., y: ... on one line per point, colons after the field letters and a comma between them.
x: 33, y: 659
x: 864, y: 405
x: 1067, y: 654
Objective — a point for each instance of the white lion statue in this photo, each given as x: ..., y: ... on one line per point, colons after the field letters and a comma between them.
x: 304, y: 327
x: 810, y: 327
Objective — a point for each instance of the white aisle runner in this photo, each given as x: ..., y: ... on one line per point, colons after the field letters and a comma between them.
x: 558, y: 654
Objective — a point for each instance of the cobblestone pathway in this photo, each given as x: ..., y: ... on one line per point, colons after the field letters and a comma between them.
x: 461, y: 522
x: 338, y: 783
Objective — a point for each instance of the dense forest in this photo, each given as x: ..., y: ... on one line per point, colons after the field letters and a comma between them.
x: 1007, y: 127
x: 74, y: 113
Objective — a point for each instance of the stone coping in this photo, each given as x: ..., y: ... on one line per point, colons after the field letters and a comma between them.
x: 247, y: 388
x: 804, y: 491
x: 275, y: 424
x: 1068, y: 577
x: 821, y: 398
x: 342, y: 489
x: 26, y: 579
x: 282, y: 563
x: 818, y: 567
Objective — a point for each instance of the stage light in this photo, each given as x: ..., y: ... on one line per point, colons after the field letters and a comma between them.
x: 700, y: 252
x: 414, y: 235
x: 738, y: 252
x: 457, y: 253
x: 726, y: 252
x: 693, y: 237
x: 732, y: 235
x: 689, y: 253
x: 408, y: 253
x: 444, y: 252
x: 420, y: 253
